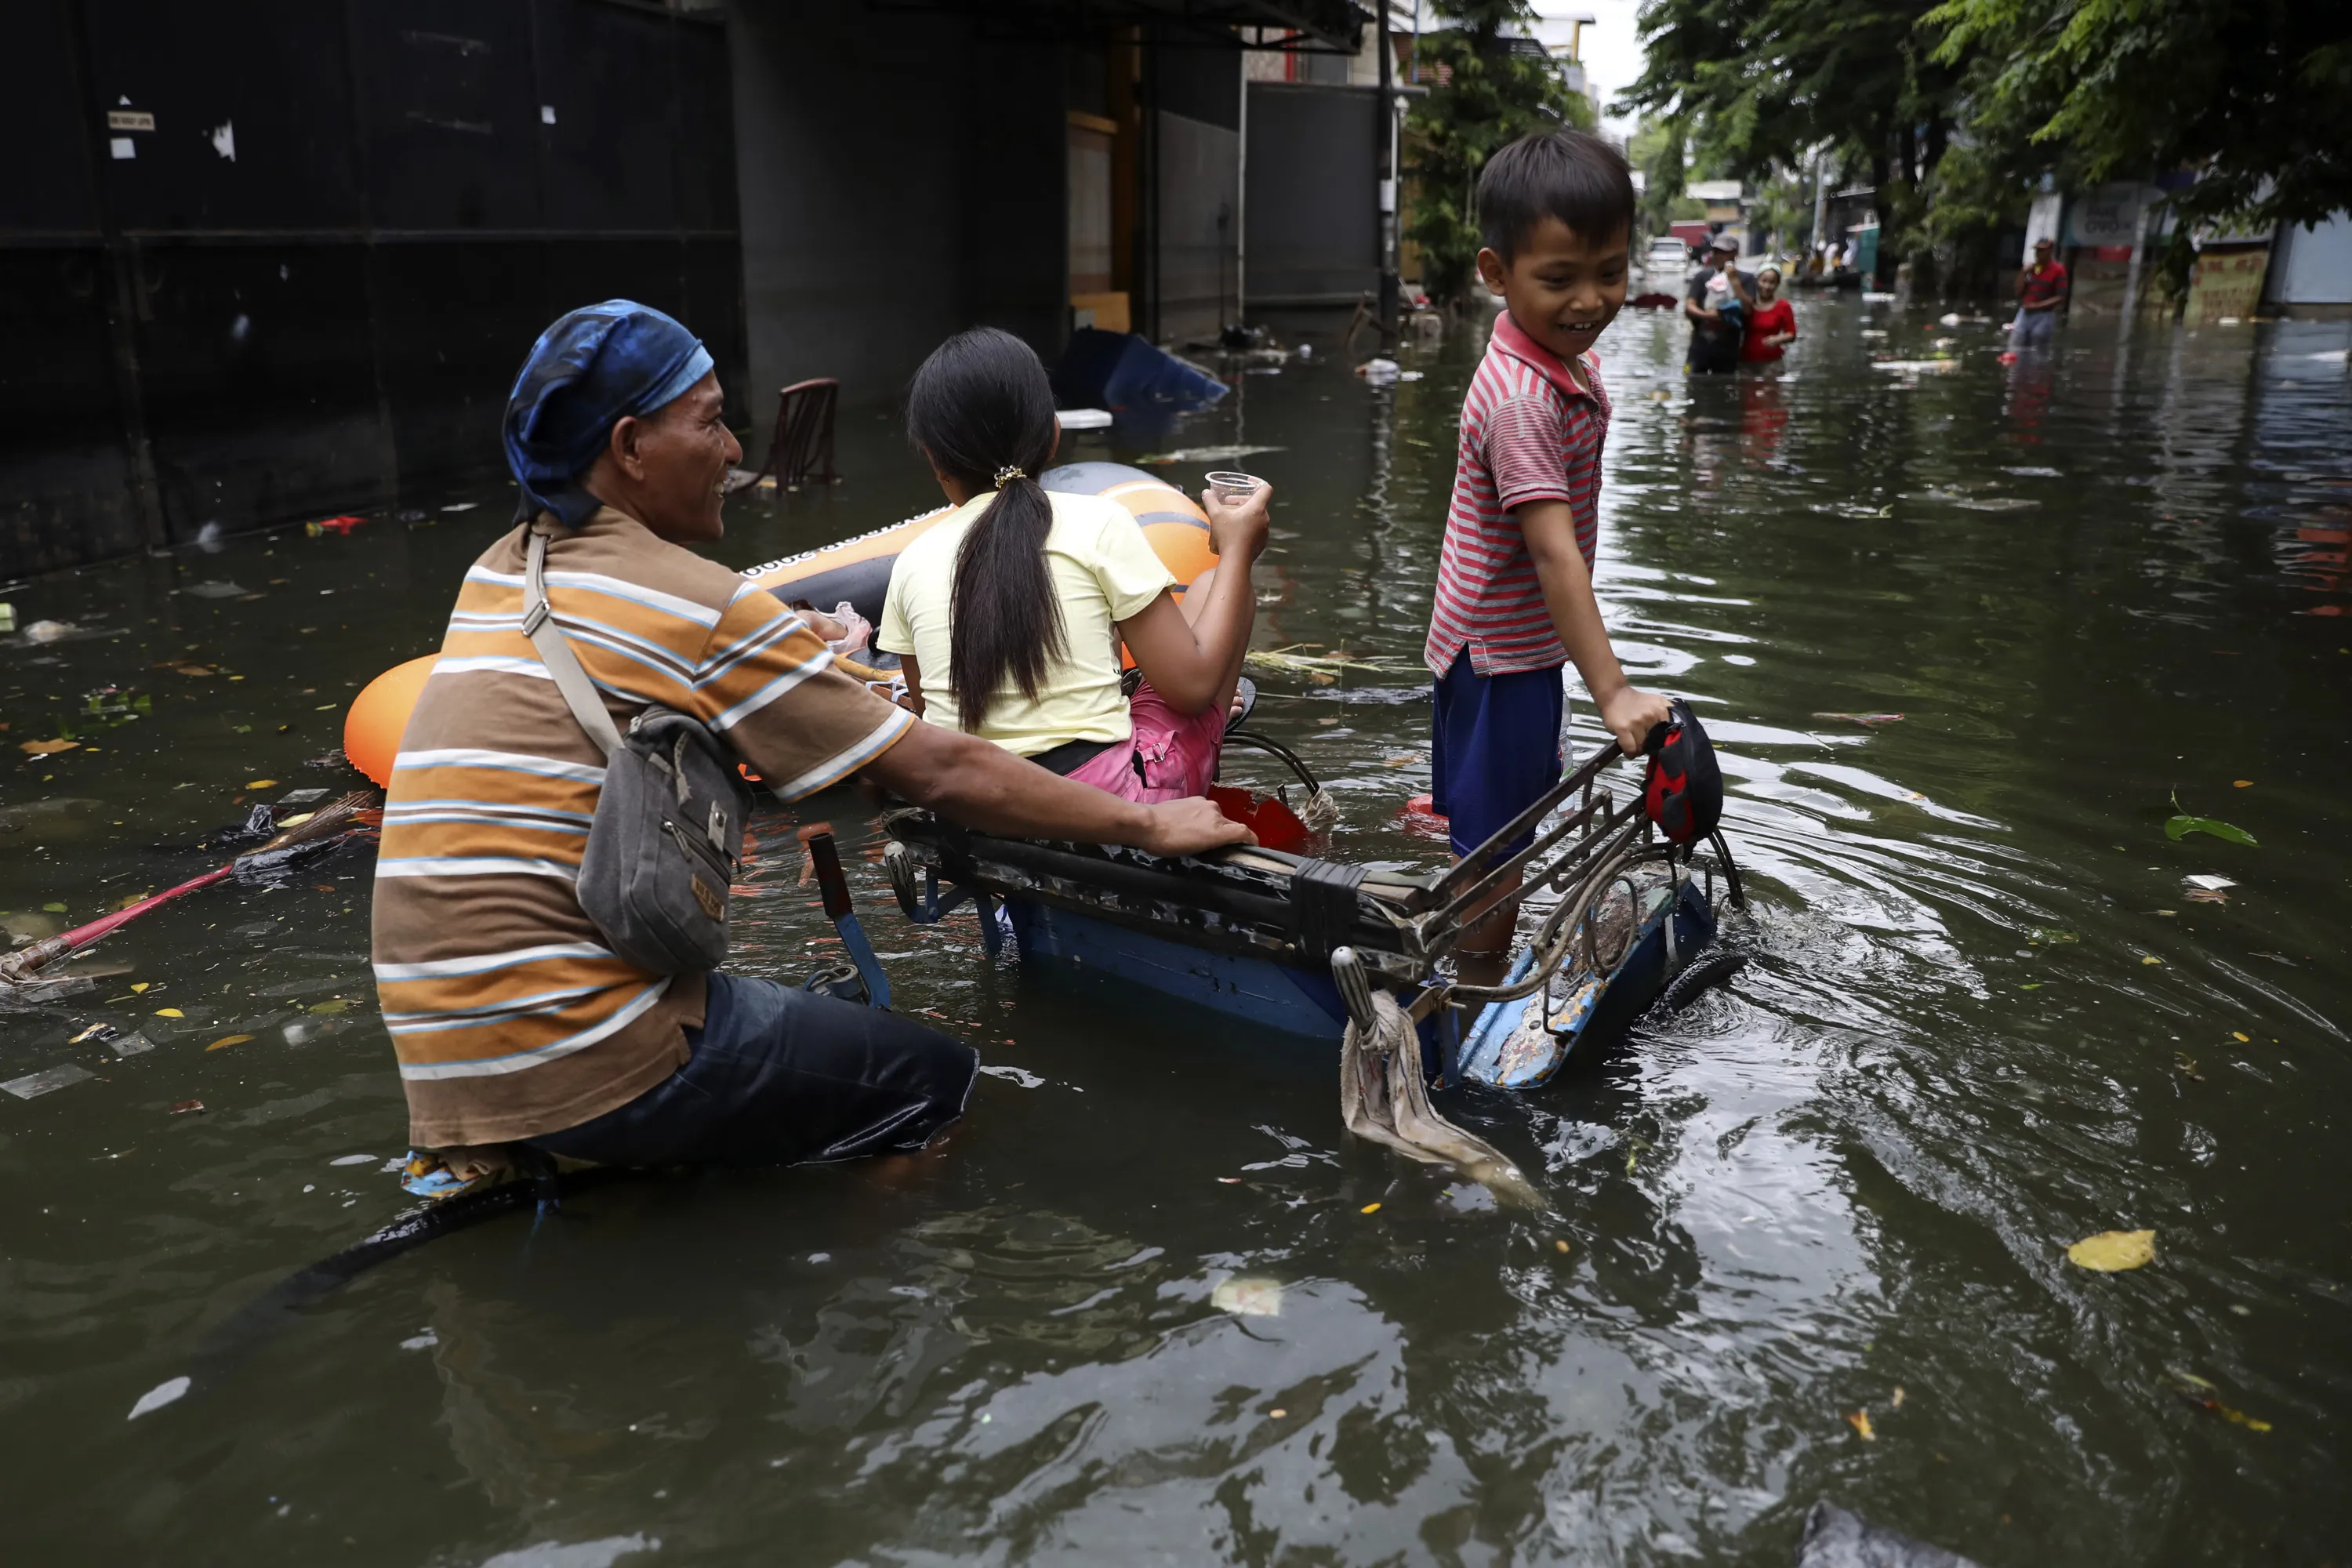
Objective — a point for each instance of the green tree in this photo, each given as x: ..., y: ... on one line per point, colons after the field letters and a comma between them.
x: 2245, y: 94
x: 1759, y: 84
x: 1658, y: 149
x: 1493, y: 85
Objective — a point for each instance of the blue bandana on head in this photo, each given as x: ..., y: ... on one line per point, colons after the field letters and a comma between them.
x: 596, y: 366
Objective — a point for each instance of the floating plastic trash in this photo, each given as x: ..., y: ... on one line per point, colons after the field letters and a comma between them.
x: 155, y: 1398
x: 1084, y: 418
x: 1248, y: 1298
x: 33, y: 1085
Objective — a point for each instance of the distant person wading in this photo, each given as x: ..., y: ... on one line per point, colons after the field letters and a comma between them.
x: 1714, y: 302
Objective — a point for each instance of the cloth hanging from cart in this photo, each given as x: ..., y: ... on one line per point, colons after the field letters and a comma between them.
x: 1383, y: 1097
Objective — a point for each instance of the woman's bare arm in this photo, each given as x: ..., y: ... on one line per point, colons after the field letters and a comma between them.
x: 1192, y: 654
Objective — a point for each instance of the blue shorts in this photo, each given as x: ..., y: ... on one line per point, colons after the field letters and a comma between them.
x: 1494, y: 749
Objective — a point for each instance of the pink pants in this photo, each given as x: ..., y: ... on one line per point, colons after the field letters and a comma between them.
x: 1168, y: 757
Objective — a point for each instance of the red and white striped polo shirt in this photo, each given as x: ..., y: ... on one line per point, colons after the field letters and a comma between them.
x: 1529, y: 433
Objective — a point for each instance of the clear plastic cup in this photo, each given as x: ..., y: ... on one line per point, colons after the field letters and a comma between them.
x: 1234, y: 487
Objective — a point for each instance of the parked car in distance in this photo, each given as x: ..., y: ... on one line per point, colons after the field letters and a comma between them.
x: 1667, y: 257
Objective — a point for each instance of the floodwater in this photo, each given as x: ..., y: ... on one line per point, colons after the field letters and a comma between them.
x: 1988, y: 1017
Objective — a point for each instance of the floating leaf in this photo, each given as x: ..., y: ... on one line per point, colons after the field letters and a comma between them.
x: 1561, y: 1245
x: 169, y: 1013
x: 182, y: 1108
x: 1859, y: 1422
x: 139, y: 986
x: 47, y: 748
x: 2201, y: 1393
x: 1898, y: 1396
x: 2243, y: 1039
x: 336, y: 1005
x: 1369, y: 1208
x: 2179, y: 826
x: 2052, y: 935
x: 2241, y: 784
x: 2112, y: 1250
x: 226, y: 1040
x: 2151, y: 958
x: 263, y: 784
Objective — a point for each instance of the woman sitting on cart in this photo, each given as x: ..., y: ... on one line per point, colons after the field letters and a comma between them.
x: 1009, y: 613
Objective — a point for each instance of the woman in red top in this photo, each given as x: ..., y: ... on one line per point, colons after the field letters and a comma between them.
x: 1771, y: 325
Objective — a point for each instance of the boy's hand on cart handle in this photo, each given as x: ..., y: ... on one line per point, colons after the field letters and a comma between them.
x: 1237, y: 528
x: 1188, y: 826
x: 1630, y: 713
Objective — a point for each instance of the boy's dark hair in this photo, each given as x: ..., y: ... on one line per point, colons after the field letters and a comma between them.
x: 1572, y: 175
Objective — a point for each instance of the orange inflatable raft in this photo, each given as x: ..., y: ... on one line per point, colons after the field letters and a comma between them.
x: 856, y: 570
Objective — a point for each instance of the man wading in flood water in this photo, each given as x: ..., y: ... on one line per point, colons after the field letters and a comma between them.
x: 512, y: 1020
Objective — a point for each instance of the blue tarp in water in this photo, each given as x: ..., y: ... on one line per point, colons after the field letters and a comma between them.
x: 1122, y: 370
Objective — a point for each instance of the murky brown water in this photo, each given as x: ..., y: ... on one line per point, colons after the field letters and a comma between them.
x: 1987, y: 1019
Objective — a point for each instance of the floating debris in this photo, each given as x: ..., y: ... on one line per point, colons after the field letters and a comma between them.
x: 157, y: 1397
x: 33, y: 1085
x: 1248, y: 1298
x: 1872, y: 720
x: 1206, y: 454
x: 2182, y: 824
x: 2112, y: 1251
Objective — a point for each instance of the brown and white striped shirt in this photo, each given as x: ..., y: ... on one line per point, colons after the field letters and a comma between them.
x: 509, y: 1016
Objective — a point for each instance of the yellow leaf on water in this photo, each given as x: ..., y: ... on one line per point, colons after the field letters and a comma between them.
x: 1561, y: 1245
x: 2151, y: 959
x: 1898, y: 1396
x: 2241, y: 1039
x: 1859, y: 1422
x: 169, y: 1013
x: 336, y: 1005
x: 263, y: 784
x: 47, y: 748
x: 1369, y: 1208
x: 2111, y: 1250
x: 139, y: 986
x: 228, y: 1040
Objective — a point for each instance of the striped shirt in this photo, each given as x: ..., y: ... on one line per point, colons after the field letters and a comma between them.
x: 508, y: 1014
x: 1529, y: 433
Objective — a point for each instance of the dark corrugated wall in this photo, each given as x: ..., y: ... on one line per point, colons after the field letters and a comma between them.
x: 295, y: 273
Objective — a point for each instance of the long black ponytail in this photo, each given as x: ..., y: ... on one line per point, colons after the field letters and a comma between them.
x: 981, y: 410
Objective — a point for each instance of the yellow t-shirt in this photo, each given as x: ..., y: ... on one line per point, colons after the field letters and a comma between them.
x: 1104, y: 571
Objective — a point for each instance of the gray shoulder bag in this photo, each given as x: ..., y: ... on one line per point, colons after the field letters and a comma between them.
x: 668, y: 829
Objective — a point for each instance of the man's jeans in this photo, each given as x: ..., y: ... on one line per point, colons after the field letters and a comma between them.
x: 778, y: 1076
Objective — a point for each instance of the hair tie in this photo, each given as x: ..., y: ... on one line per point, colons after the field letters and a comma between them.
x: 1008, y: 473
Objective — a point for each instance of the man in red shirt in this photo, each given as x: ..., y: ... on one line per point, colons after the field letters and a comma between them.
x: 2041, y: 290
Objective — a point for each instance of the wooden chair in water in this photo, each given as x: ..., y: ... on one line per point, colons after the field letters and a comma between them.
x: 801, y: 450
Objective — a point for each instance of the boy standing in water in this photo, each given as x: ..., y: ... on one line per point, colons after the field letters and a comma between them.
x: 1515, y: 579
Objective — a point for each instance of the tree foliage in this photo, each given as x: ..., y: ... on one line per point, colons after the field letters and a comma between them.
x: 1491, y: 89
x: 1762, y: 85
x: 2236, y: 93
x: 2243, y: 94
x: 1658, y: 149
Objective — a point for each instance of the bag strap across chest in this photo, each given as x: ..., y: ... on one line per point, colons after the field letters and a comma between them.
x: 555, y: 650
